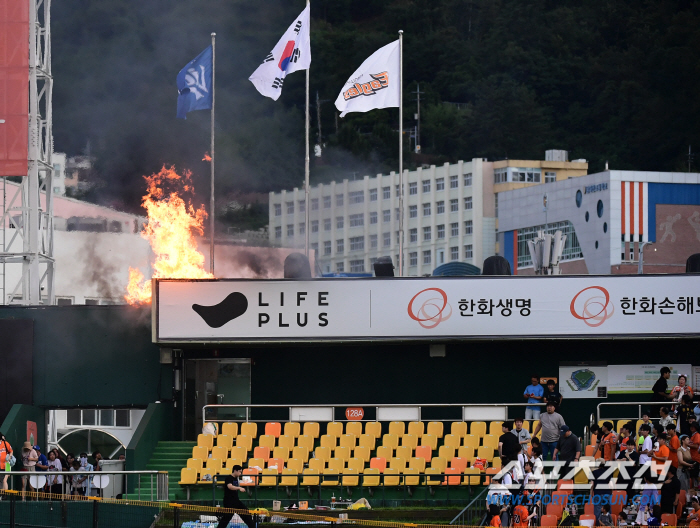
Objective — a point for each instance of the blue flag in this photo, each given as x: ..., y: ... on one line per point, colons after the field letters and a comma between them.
x: 194, y: 85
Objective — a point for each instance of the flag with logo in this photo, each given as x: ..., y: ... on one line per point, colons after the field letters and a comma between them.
x: 194, y: 85
x: 290, y: 54
x: 375, y: 84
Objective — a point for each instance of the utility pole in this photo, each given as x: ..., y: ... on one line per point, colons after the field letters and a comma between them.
x: 319, y: 102
x: 417, y: 116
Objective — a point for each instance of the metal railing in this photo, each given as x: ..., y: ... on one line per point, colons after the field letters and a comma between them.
x: 474, y: 513
x: 158, y: 488
x: 639, y: 405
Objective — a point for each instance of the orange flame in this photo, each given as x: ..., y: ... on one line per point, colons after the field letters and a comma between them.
x: 170, y: 231
x: 206, y: 157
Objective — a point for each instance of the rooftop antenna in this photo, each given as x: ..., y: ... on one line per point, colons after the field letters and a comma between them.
x: 417, y: 117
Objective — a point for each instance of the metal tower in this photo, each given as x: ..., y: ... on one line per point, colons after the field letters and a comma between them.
x: 27, y: 238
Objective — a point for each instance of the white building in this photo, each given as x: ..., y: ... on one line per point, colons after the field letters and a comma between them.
x: 58, y: 182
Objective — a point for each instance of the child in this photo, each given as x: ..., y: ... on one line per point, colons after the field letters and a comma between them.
x: 622, y: 519
x: 655, y: 519
x: 495, y: 513
x: 605, y: 519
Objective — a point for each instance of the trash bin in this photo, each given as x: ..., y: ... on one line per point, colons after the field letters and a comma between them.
x: 116, y: 484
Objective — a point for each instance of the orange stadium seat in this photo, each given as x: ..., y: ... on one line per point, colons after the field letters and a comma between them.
x: 273, y: 429
x: 261, y: 452
x: 424, y: 452
x: 378, y: 463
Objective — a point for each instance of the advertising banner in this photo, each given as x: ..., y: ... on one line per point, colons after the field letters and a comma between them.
x: 428, y: 309
x: 628, y: 379
x: 583, y: 381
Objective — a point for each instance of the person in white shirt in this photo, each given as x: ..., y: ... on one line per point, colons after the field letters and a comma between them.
x: 647, y: 449
x: 54, y: 482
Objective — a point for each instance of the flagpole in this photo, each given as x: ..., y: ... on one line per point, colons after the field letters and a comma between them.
x: 401, y: 212
x: 211, y: 198
x: 306, y: 167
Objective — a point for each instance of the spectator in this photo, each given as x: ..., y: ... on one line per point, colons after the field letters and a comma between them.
x: 608, y: 444
x: 660, y: 388
x: 553, y: 395
x: 685, y: 413
x: 655, y: 519
x: 568, y: 448
x: 534, y: 393
x: 670, y: 492
x: 622, y: 519
x: 508, y: 445
x: 97, y: 456
x: 685, y: 462
x: 231, y: 500
x: 54, y: 482
x: 42, y: 464
x: 533, y: 483
x: 694, y: 446
x: 673, y: 444
x: 29, y: 458
x: 535, y: 442
x: 645, y: 421
x: 630, y: 454
x: 662, y: 454
x: 647, y: 447
x: 5, y: 451
x: 627, y: 437
x: 694, y: 518
x: 600, y: 487
x: 696, y: 412
x: 523, y: 435
x: 605, y: 519
x: 550, y: 423
x: 536, y: 459
x: 70, y: 457
x: 495, y: 512
x: 681, y: 389
x: 497, y: 492
x: 78, y: 483
x: 596, y: 436
x: 665, y: 417
x: 650, y: 493
x: 657, y: 430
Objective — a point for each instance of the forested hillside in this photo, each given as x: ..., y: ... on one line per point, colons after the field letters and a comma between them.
x: 608, y: 80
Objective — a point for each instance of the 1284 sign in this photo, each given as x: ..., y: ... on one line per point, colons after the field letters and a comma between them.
x: 354, y: 413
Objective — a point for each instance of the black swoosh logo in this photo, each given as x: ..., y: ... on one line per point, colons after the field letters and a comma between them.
x: 227, y: 310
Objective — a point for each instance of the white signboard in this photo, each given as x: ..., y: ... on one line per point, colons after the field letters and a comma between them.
x: 625, y: 379
x: 583, y: 381
x: 431, y: 308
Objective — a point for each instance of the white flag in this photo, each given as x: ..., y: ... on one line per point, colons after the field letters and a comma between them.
x: 291, y: 53
x: 375, y: 84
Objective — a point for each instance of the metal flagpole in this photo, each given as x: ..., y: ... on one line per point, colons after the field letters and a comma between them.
x: 211, y: 198
x: 306, y: 168
x: 401, y: 215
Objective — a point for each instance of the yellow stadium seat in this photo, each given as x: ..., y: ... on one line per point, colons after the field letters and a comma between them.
x: 526, y: 425
x: 262, y: 452
x: 472, y: 476
x: 249, y: 429
x: 351, y: 476
x: 224, y: 441
x: 331, y: 477
x: 205, y: 440
x: 404, y: 452
x: 267, y: 441
x: 337, y: 464
x: 301, y: 453
x: 412, y: 475
x: 233, y: 462
x: 195, y: 463
x: 436, y: 429
x: 478, y: 429
x: 219, y: 452
x: 374, y: 429
x: 214, y: 464
x: 496, y: 462
x: 324, y: 453
x: 368, y: 441
x: 485, y: 452
x: 416, y: 429
x: 292, y: 429
x: 318, y: 464
x: 312, y: 429
x: 269, y: 477
x: 245, y: 441
x: 329, y: 441
x: 496, y: 428
x: 429, y: 440
x: 370, y: 477
x: 281, y: 452
x: 471, y: 441
x: 239, y: 452
x: 306, y: 441
x: 230, y: 429
x: 362, y: 452
x: 466, y: 452
x: 289, y: 477
x: 390, y: 440
x: 354, y: 428
x: 452, y: 441
x: 417, y: 463
x: 356, y: 465
x: 334, y: 429
x: 256, y: 462
x: 409, y: 440
x: 434, y: 481
x: 385, y: 452
x: 310, y: 477
x: 398, y: 463
x: 446, y: 452
x: 490, y: 441
x: 296, y: 464
x: 458, y: 429
x: 287, y: 441
x: 204, y: 472
x: 348, y: 440
x: 392, y: 477
x: 397, y: 428
x: 438, y: 463
x: 619, y: 425
x: 342, y: 452
x: 200, y: 452
x: 188, y: 476
x: 534, y: 427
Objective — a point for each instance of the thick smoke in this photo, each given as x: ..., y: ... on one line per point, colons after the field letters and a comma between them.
x: 98, y: 272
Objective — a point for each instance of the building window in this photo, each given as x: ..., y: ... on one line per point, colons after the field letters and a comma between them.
x: 413, y: 188
x: 357, y: 243
x: 340, y: 267
x: 302, y: 206
x: 339, y: 222
x: 398, y: 214
x: 440, y: 206
x: 426, y: 209
x: 356, y: 197
x: 441, y: 231
x: 468, y: 251
x: 340, y: 245
x: 314, y: 204
x: 550, y: 177
x: 439, y: 184
x: 302, y: 228
x: 468, y: 179
x: 326, y: 202
x: 413, y: 211
x: 468, y: 227
x: 314, y: 226
x: 326, y: 224
x: 468, y: 202
x: 426, y: 233
x: 290, y: 230
x: 327, y: 247
x: 339, y: 200
x: 386, y: 239
x: 426, y: 256
x: 98, y: 418
x: 500, y: 175
x: 290, y: 208
x: 373, y: 242
x: 357, y: 220
x: 572, y: 248
x: 398, y: 237
x: 454, y: 182
x: 278, y: 231
x: 357, y: 266
x: 495, y: 201
x: 397, y: 190
x: 454, y: 229
x: 373, y: 195
x: 426, y: 186
x: 454, y: 253
x: 386, y: 193
x: 454, y: 205
x: 314, y: 246
x: 413, y: 258
x: 528, y: 175
x: 386, y: 215
x: 413, y: 235
x: 373, y: 217
x: 278, y: 209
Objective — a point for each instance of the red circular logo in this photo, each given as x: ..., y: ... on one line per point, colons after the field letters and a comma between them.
x: 431, y: 307
x: 593, y: 309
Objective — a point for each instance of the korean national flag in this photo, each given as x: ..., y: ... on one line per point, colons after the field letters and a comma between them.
x: 291, y: 53
x: 194, y: 85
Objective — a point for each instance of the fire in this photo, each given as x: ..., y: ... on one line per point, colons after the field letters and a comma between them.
x: 170, y: 231
x: 206, y: 157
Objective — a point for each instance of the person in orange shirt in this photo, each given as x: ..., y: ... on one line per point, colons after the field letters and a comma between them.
x: 521, y: 517
x: 662, y: 455
x: 674, y: 444
x: 5, y: 451
x: 609, y: 441
x: 495, y: 512
x: 694, y: 518
x: 694, y: 440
